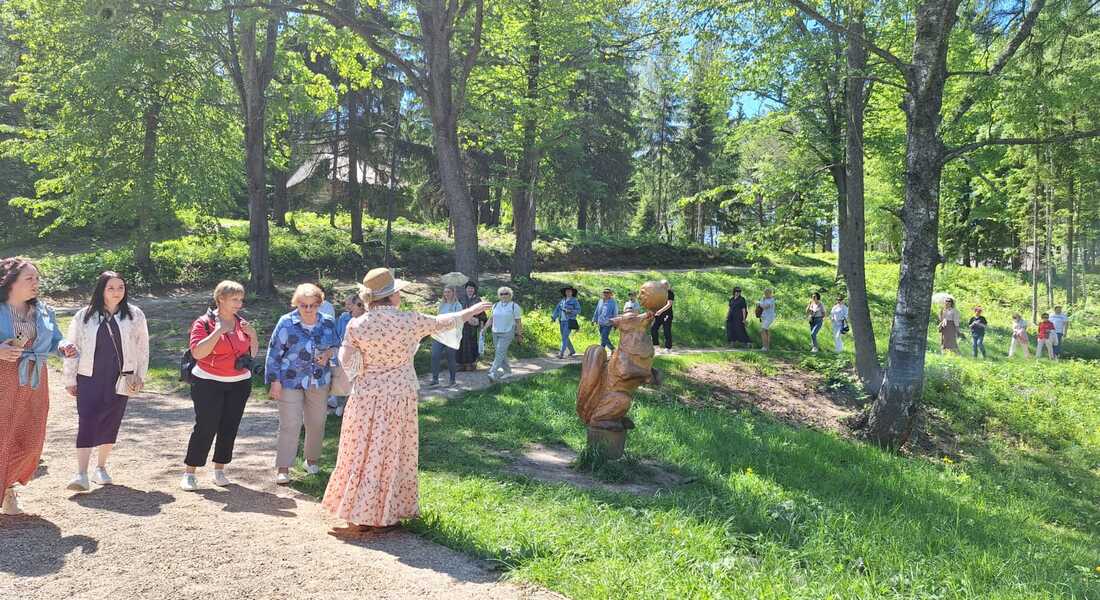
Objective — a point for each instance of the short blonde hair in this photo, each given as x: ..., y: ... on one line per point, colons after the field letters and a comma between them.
x: 505, y: 290
x: 307, y: 290
x: 226, y: 289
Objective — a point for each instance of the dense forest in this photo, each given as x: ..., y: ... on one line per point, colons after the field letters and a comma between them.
x: 929, y: 132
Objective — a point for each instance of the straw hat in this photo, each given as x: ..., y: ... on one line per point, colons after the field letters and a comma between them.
x: 380, y: 283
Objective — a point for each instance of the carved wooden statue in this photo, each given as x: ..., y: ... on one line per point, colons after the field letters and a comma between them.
x: 607, y: 386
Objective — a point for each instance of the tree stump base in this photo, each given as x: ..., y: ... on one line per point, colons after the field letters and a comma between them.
x: 607, y: 439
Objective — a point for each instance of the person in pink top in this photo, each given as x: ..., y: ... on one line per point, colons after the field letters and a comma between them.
x: 1046, y: 338
x: 374, y: 484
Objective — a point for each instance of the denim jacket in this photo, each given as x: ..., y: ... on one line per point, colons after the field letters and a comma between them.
x: 605, y: 311
x: 292, y: 349
x: 46, y: 342
x: 567, y: 309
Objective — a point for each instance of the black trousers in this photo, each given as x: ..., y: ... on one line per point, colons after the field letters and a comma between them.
x: 662, y: 322
x: 219, y: 407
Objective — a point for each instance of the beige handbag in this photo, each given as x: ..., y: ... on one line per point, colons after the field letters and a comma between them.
x: 123, y: 386
x: 341, y: 385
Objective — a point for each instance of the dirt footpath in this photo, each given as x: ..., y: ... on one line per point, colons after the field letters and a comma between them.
x: 146, y: 538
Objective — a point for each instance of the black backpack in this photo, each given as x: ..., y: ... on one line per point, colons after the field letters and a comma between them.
x: 187, y: 362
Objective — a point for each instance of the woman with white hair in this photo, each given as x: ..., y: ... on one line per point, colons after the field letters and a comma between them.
x: 300, y: 361
x: 507, y: 323
x: 374, y: 484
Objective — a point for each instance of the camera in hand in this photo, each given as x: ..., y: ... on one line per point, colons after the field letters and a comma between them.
x: 243, y: 361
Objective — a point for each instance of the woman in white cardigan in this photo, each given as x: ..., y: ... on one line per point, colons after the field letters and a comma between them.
x: 112, y: 339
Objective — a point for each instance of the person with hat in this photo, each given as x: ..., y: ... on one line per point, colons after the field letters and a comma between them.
x: 565, y: 313
x: 978, y: 325
x: 606, y: 310
x: 736, y: 315
x: 374, y: 483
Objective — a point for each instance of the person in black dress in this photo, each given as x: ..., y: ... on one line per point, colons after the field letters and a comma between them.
x: 662, y: 320
x: 468, y: 351
x: 735, y: 319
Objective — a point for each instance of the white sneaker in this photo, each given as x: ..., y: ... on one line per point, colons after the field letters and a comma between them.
x: 339, y: 412
x: 11, y: 505
x: 79, y: 483
x: 282, y: 478
x: 219, y: 478
x: 101, y: 477
x: 311, y: 469
x: 189, y: 482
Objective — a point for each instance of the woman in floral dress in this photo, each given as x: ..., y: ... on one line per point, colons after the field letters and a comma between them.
x: 374, y: 483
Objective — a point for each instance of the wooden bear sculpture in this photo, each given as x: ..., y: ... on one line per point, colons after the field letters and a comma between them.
x: 607, y: 386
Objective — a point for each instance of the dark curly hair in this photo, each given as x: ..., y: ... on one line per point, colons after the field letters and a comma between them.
x: 9, y: 271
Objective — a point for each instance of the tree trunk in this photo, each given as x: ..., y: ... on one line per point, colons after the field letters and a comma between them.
x: 853, y: 240
x: 252, y: 72
x: 890, y: 420
x: 1071, y: 251
x: 582, y: 211
x: 523, y: 260
x: 1049, y: 246
x: 281, y: 199
x: 146, y: 204
x: 355, y: 198
x: 1035, y: 241
x: 444, y: 114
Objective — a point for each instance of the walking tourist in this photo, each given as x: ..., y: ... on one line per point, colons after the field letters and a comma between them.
x: 977, y: 325
x: 662, y: 320
x: 1061, y: 328
x: 1019, y: 336
x: 736, y: 316
x: 507, y: 326
x: 29, y: 333
x: 606, y: 309
x: 1046, y: 338
x: 449, y: 305
x: 224, y: 346
x: 767, y: 317
x: 838, y: 317
x: 469, y: 348
x: 301, y: 358
x: 815, y: 312
x: 374, y: 483
x: 112, y: 341
x: 949, y: 326
x: 565, y: 313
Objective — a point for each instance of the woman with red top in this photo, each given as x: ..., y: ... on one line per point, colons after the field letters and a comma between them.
x: 1046, y: 338
x: 223, y: 345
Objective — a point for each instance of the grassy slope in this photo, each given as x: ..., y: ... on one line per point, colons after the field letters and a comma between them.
x: 778, y: 512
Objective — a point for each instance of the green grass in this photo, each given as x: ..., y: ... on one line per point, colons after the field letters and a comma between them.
x: 773, y: 511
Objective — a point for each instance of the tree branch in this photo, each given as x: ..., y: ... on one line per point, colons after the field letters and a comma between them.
x: 956, y: 152
x: 1002, y: 60
x: 472, y: 51
x: 831, y: 25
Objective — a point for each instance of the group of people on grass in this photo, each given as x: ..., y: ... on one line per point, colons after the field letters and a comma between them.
x: 313, y: 357
x: 1051, y: 331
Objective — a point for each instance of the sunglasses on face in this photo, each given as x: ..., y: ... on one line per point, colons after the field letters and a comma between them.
x: 308, y: 306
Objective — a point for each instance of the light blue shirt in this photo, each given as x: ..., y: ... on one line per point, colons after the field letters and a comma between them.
x: 605, y: 311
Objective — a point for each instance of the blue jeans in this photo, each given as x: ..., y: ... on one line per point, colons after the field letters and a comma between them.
x: 438, y: 350
x: 815, y: 328
x: 566, y: 343
x: 979, y: 343
x: 605, y: 337
x: 1057, y: 343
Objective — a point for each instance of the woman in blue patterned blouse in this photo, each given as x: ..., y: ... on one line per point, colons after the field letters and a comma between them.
x: 299, y: 365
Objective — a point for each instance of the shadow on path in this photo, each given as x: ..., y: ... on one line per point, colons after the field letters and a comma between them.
x: 124, y: 500
x: 33, y: 546
x: 240, y: 499
x: 414, y: 551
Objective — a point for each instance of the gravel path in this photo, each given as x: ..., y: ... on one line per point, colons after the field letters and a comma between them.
x: 146, y: 538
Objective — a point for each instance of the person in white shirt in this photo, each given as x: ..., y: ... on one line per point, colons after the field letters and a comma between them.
x: 767, y: 317
x: 507, y: 323
x: 1061, y: 327
x: 632, y: 303
x: 838, y: 316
